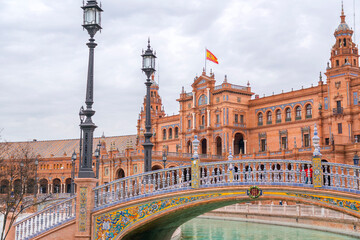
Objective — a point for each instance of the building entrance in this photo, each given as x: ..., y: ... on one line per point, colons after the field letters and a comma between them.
x: 239, y: 144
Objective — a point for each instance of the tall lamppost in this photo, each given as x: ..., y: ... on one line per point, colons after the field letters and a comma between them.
x: 82, y: 118
x: 164, y: 158
x: 92, y: 23
x: 36, y: 181
x: 356, y: 159
x: 22, y: 184
x: 148, y: 67
x: 97, y: 155
x: 72, y: 184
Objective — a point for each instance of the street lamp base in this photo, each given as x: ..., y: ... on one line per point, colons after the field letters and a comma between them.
x: 86, y: 174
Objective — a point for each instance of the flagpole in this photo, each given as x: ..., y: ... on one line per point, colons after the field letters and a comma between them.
x: 205, y: 60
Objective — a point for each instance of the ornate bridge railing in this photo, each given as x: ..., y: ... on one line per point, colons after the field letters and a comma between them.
x: 142, y: 185
x: 341, y: 177
x: 46, y: 219
x: 238, y: 172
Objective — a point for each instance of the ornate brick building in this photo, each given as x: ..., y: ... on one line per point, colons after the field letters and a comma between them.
x: 227, y: 116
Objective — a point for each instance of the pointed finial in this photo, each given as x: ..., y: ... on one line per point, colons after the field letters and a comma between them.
x: 225, y: 79
x: 316, y: 141
x: 148, y: 43
x: 103, y: 135
x: 248, y: 84
x: 320, y: 77
x: 182, y: 90
x: 342, y: 13
x: 230, y: 157
x: 195, y: 144
x: 203, y: 69
x: 210, y: 71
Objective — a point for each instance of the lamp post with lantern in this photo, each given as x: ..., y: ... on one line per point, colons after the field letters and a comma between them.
x: 92, y: 23
x: 97, y: 155
x: 72, y: 185
x: 164, y: 158
x: 36, y: 181
x: 148, y: 67
x: 356, y: 159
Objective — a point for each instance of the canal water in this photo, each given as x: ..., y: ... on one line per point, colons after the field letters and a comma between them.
x: 209, y: 229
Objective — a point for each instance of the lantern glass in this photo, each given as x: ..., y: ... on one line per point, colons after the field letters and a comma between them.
x: 147, y: 62
x: 97, y: 153
x: 90, y: 16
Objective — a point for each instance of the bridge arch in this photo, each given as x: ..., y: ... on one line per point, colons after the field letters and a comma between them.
x: 162, y: 214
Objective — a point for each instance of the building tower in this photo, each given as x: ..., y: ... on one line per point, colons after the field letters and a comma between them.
x: 157, y: 111
x: 341, y: 76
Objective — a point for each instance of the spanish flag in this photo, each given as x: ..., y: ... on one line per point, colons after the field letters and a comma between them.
x: 211, y: 57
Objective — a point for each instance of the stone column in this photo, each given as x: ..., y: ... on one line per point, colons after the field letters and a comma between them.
x: 194, y: 99
x: 208, y: 117
x: 193, y: 120
x: 84, y: 205
x: 208, y: 95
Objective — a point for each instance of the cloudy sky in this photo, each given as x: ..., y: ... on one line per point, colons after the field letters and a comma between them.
x: 275, y: 45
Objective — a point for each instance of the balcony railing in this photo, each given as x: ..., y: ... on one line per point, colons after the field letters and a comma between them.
x: 298, y: 118
x: 260, y: 123
x: 308, y: 116
x: 269, y: 122
x: 278, y: 121
x: 287, y: 119
x: 338, y: 111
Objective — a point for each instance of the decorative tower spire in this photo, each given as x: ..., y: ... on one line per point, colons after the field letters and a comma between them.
x: 316, y: 141
x: 342, y: 13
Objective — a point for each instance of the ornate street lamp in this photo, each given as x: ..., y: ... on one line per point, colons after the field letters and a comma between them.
x: 92, y: 23
x: 164, y: 158
x: 356, y: 159
x: 148, y: 67
x: 82, y: 118
x: 36, y: 181
x: 72, y: 184
x: 97, y: 155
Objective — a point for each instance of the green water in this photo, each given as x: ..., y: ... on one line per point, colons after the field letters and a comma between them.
x: 209, y: 229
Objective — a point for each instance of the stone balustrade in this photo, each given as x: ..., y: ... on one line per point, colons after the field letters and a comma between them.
x: 45, y: 219
x: 286, y: 210
x: 238, y: 172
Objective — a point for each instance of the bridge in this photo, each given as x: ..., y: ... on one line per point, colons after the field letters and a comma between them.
x: 152, y: 205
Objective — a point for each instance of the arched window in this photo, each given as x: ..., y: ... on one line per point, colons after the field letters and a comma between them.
x: 170, y: 133
x: 176, y: 132
x: 288, y: 114
x: 298, y: 113
x: 164, y: 134
x: 278, y: 116
x: 308, y: 111
x: 203, y: 120
x: 269, y: 117
x: 260, y: 119
x: 202, y: 100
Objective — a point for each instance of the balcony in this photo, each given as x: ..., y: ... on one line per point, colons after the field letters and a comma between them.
x: 308, y: 116
x: 338, y: 111
x: 202, y: 127
x: 269, y: 122
x: 287, y: 119
x: 298, y: 118
x: 278, y: 121
x: 260, y: 123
